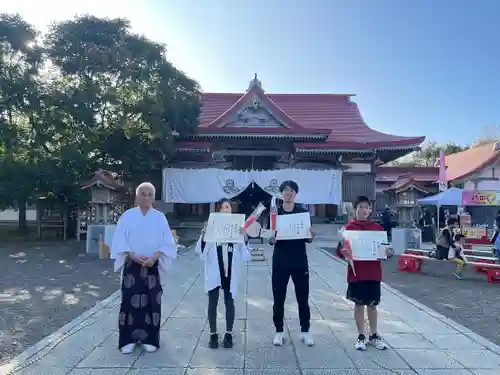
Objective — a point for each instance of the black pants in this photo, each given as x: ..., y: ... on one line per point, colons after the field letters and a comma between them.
x: 300, y: 278
x: 140, y: 309
x: 387, y: 229
x: 213, y: 299
x: 441, y: 252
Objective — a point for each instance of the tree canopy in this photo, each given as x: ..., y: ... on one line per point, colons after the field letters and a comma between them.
x: 88, y: 94
x: 428, y: 155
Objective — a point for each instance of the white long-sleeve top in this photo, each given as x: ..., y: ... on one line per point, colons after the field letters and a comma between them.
x: 241, y: 255
x: 144, y: 235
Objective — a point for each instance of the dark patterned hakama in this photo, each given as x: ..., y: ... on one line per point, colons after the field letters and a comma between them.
x: 140, y: 310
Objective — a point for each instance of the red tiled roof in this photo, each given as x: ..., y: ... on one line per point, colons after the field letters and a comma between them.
x: 333, y: 112
x: 188, y: 144
x: 256, y: 90
x: 253, y: 130
x: 106, y: 178
x: 462, y: 164
x: 422, y: 174
x: 407, y: 181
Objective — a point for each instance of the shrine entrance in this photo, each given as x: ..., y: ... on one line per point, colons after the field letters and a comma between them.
x: 250, y: 198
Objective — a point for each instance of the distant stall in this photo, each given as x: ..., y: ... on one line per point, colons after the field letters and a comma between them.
x: 476, y: 234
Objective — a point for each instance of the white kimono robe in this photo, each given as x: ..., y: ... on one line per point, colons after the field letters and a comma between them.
x: 144, y: 235
x: 241, y: 255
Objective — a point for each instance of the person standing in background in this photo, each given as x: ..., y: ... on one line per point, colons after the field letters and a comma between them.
x: 387, y: 221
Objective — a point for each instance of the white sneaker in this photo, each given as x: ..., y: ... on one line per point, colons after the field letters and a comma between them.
x: 307, y: 338
x: 149, y: 348
x: 377, y: 342
x: 278, y: 339
x: 128, y: 349
x: 360, y: 344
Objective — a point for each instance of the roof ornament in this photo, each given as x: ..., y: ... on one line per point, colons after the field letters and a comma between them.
x: 254, y: 83
x: 255, y: 102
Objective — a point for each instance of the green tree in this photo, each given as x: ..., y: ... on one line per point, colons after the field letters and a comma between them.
x: 489, y: 134
x: 120, y: 98
x: 428, y: 156
x: 20, y: 105
x: 109, y: 98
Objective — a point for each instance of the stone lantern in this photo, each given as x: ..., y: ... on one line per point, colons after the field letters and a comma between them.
x: 98, y: 220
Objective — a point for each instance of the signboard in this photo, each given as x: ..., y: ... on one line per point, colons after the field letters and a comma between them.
x: 94, y: 233
x: 443, y: 180
x: 366, y: 244
x: 109, y: 232
x: 474, y: 232
x: 225, y: 228
x: 293, y: 226
x: 465, y: 220
x: 479, y: 198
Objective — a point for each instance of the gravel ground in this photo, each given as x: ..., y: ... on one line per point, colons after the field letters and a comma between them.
x: 473, y: 302
x: 43, y: 287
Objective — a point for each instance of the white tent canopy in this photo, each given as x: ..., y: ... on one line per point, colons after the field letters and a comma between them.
x: 450, y: 197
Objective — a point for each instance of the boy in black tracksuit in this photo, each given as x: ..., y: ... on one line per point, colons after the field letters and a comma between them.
x: 290, y: 260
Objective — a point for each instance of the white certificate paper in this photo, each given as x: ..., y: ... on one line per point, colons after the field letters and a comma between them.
x: 224, y: 228
x: 367, y: 244
x: 293, y: 226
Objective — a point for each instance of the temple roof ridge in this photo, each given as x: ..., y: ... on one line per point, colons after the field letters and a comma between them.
x: 255, y: 83
x: 256, y: 95
x: 335, y: 114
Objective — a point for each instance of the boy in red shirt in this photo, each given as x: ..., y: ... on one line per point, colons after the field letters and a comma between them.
x: 364, y: 282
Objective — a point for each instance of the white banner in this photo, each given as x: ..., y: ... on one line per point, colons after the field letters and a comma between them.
x: 202, y: 185
x: 224, y: 228
x: 293, y: 226
x: 211, y: 184
x: 367, y: 245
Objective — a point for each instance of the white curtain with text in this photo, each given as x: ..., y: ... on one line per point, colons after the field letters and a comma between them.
x: 202, y: 185
x: 212, y: 184
x: 315, y: 186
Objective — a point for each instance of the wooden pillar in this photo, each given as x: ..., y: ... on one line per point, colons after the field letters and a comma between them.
x: 321, y: 210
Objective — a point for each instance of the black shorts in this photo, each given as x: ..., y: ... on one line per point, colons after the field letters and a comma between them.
x: 365, y: 293
x: 441, y: 252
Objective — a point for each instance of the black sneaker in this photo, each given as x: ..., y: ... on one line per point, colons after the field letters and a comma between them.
x: 228, y: 341
x: 214, y: 341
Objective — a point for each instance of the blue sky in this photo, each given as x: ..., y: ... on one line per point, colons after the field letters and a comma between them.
x: 417, y: 67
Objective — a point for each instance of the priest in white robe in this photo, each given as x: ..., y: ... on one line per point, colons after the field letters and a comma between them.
x: 224, y: 265
x: 143, y: 247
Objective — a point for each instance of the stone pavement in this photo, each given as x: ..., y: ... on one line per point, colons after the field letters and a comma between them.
x: 421, y: 341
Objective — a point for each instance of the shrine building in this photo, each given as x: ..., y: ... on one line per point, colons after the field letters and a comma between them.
x: 248, y: 143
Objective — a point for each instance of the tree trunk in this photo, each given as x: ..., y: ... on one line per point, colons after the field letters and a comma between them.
x: 21, y: 204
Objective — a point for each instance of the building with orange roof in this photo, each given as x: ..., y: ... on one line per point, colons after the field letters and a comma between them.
x: 261, y: 132
x: 476, y: 168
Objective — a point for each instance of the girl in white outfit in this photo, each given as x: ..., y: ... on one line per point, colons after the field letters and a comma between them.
x: 224, y: 265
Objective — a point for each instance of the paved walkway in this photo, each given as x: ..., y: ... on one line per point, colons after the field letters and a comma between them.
x: 421, y: 341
